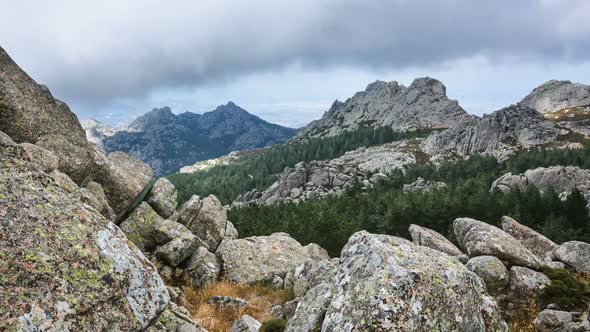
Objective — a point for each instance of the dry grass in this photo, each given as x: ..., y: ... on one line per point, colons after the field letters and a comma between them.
x: 522, y: 317
x: 215, y: 319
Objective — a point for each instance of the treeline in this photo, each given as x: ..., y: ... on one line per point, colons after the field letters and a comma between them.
x: 387, y: 209
x: 260, y: 170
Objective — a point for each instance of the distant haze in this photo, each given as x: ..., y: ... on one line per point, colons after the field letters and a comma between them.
x: 286, y: 61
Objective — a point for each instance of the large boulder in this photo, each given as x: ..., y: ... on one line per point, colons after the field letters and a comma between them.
x: 202, y: 269
x: 310, y: 311
x: 491, y: 270
x: 575, y: 254
x: 479, y: 238
x: 550, y: 320
x: 206, y: 218
x: 308, y: 275
x: 29, y: 113
x: 261, y: 258
x: 162, y: 197
x: 538, y: 244
x: 63, y: 266
x: 525, y: 289
x: 383, y: 284
x: 426, y: 237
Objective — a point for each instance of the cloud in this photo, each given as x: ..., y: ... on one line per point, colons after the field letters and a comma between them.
x: 101, y: 51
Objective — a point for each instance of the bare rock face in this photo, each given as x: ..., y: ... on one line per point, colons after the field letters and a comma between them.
x: 308, y: 275
x: 554, y: 96
x: 499, y: 134
x: 562, y: 179
x: 426, y: 237
x: 383, y: 284
x: 525, y: 287
x: 162, y: 197
x: 63, y: 265
x: 422, y: 105
x: 309, y: 314
x: 261, y: 258
x: 575, y: 254
x: 29, y: 113
x: 42, y: 158
x: 383, y: 158
x: 202, y: 268
x: 479, y: 238
x: 206, y: 218
x: 535, y: 242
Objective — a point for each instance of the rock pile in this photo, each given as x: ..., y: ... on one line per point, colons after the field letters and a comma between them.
x: 307, y: 181
x: 423, y: 185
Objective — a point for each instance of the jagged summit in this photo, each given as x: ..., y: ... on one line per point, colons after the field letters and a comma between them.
x: 422, y: 105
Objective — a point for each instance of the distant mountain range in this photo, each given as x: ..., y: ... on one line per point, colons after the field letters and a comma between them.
x: 167, y: 141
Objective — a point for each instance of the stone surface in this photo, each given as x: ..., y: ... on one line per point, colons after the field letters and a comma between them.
x: 100, y: 201
x: 10, y: 149
x: 176, y: 319
x: 423, y: 185
x: 224, y: 301
x: 308, y: 275
x: 549, y: 320
x: 202, y: 268
x: 383, y: 158
x: 206, y: 218
x: 42, y: 158
x: 162, y: 197
x: 492, y: 271
x: 310, y: 311
x: 479, y: 238
x: 422, y: 105
x: 230, y: 231
x: 426, y: 237
x: 62, y: 261
x: 575, y: 254
x: 29, y: 113
x: 525, y: 286
x: 246, y: 324
x: 535, y: 242
x: 562, y: 179
x: 64, y: 181
x: 553, y: 96
x: 260, y: 258
x: 384, y: 284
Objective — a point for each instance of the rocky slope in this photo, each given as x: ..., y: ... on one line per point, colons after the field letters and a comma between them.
x: 167, y: 141
x: 423, y: 105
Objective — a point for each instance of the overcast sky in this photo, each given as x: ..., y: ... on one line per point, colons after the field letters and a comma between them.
x: 287, y: 61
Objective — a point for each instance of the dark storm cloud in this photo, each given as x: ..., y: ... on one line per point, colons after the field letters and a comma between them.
x: 110, y: 49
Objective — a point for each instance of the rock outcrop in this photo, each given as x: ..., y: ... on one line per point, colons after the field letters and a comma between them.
x: 308, y: 181
x: 383, y: 284
x: 423, y: 185
x: 492, y: 271
x: 261, y: 258
x: 421, y: 106
x: 308, y: 275
x: 479, y: 239
x: 206, y: 218
x: 555, y: 96
x: 162, y: 197
x: 499, y: 134
x: 575, y: 254
x: 384, y: 158
x: 62, y: 260
x: 562, y: 179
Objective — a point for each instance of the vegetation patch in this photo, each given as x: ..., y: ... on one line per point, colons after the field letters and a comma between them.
x: 275, y: 325
x: 565, y: 290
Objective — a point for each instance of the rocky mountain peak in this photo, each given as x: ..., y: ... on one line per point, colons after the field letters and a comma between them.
x: 555, y: 96
x: 157, y: 116
x: 429, y: 85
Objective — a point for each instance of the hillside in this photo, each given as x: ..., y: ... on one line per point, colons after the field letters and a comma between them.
x: 167, y: 141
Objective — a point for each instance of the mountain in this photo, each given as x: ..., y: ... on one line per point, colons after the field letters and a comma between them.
x: 167, y: 141
x: 422, y: 105
x: 97, y: 131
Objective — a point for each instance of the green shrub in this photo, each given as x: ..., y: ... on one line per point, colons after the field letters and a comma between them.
x: 275, y: 325
x: 565, y: 290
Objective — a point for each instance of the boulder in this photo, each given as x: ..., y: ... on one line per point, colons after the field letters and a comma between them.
x: 479, y: 239
x: 162, y: 197
x: 384, y: 284
x: 225, y: 301
x: 202, y: 268
x: 549, y: 320
x: 525, y: 286
x: 100, y: 201
x: 230, y: 231
x: 64, y: 181
x: 426, y: 237
x: 260, y: 258
x: 44, y: 159
x: 310, y: 311
x: 9, y: 148
x: 64, y: 266
x: 29, y: 113
x: 575, y: 254
x: 538, y: 244
x: 309, y: 274
x: 206, y: 218
x: 246, y: 324
x: 492, y: 271
x: 176, y: 319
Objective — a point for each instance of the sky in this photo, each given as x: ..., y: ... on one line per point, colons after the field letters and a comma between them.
x: 287, y: 61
